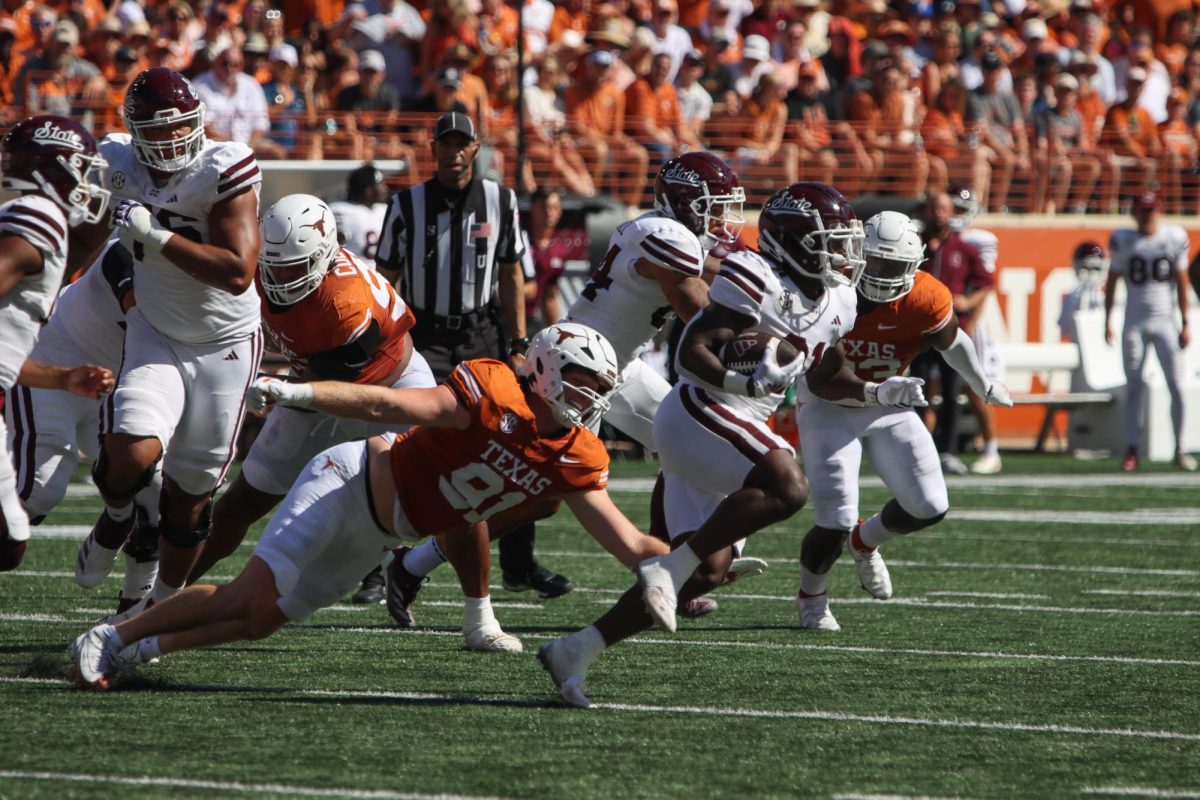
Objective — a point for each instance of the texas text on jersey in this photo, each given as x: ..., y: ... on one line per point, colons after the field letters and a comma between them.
x: 508, y: 464
x: 747, y: 284
x: 626, y: 307
x: 175, y: 303
x: 352, y: 328
x: 886, y: 338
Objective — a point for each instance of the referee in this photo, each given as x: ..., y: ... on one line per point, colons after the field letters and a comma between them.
x: 453, y: 247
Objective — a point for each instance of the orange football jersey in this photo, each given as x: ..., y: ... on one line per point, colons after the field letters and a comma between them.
x: 350, y: 296
x: 887, y: 338
x: 447, y: 479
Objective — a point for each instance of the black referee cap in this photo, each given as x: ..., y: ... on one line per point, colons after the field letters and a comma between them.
x: 454, y: 122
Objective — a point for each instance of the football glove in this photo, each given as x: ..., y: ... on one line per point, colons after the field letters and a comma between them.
x: 997, y: 395
x: 266, y: 391
x: 896, y: 392
x: 771, y: 377
x: 134, y: 223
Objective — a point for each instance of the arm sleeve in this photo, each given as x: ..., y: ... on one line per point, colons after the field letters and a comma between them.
x: 346, y: 363
x: 117, y: 267
x: 961, y: 356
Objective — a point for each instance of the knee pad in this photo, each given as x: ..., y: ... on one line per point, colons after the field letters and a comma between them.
x: 896, y: 519
x: 180, y: 537
x: 100, y: 477
x: 821, y: 549
x: 142, y: 546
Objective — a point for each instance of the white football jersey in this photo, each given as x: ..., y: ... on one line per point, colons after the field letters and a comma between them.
x: 626, y: 307
x: 175, y: 303
x: 358, y: 227
x: 26, y: 306
x: 749, y: 285
x: 1149, y: 264
x: 986, y: 243
x: 88, y: 313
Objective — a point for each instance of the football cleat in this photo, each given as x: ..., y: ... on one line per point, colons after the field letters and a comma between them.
x: 815, y: 614
x: 547, y: 584
x: 744, y: 567
x: 658, y: 593
x: 698, y: 607
x: 872, y: 572
x: 402, y: 588
x: 986, y: 464
x: 490, y: 639
x: 953, y: 465
x: 371, y: 592
x: 1130, y: 463
x: 1185, y: 461
x: 130, y: 611
x: 98, y: 552
x: 559, y: 658
x: 93, y: 651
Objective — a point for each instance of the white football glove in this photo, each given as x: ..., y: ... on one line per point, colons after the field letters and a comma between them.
x: 771, y: 377
x: 997, y: 395
x: 896, y: 392
x: 134, y: 223
x: 267, y: 391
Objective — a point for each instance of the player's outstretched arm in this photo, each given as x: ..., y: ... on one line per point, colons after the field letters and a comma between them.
x: 959, y: 352
x: 601, y: 518
x: 438, y: 407
x: 87, y: 380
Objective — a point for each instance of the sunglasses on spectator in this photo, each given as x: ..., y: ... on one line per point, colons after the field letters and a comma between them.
x: 43, y: 23
x: 273, y: 13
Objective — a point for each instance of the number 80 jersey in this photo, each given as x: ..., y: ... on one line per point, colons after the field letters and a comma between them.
x: 448, y: 479
x: 175, y: 303
x: 1149, y: 264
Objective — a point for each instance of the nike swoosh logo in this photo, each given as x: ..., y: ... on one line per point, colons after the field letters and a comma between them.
x: 565, y: 460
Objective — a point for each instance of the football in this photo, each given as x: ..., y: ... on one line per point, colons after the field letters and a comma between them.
x: 743, y: 352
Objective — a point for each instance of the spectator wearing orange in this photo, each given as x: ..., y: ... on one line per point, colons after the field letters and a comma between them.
x: 1001, y: 127
x: 297, y: 12
x: 878, y: 112
x: 549, y: 142
x: 1179, y: 155
x: 499, y: 76
x: 1181, y: 33
x: 42, y: 22
x: 596, y: 118
x: 450, y: 22
x: 899, y: 39
x: 473, y: 91
x: 498, y: 26
x: 102, y: 44
x: 1090, y: 34
x: 950, y: 139
x: 571, y: 15
x: 719, y: 31
x: 810, y: 129
x: 762, y: 151
x: 1132, y: 135
x: 652, y: 115
x: 9, y: 113
x: 943, y: 66
x: 57, y: 81
x: 1062, y: 132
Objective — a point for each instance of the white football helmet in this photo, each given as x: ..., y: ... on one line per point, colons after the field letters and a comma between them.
x: 299, y: 241
x: 966, y: 208
x: 893, y: 251
x: 1090, y: 263
x: 569, y: 344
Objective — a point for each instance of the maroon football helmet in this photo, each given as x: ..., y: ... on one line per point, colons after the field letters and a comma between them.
x: 157, y: 103
x: 1090, y: 262
x: 56, y: 158
x: 810, y: 231
x: 701, y: 191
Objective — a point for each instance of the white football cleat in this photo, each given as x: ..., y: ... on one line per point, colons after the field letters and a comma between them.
x: 815, y: 614
x: 658, y: 593
x: 872, y: 572
x: 94, y: 651
x: 744, y: 567
x: 94, y: 562
x: 559, y: 658
x: 490, y: 639
x: 986, y: 464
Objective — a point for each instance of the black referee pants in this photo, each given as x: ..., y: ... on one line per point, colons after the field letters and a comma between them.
x: 445, y: 348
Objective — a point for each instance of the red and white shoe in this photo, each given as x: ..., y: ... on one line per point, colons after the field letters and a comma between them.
x: 872, y: 572
x: 1131, y: 461
x: 815, y: 614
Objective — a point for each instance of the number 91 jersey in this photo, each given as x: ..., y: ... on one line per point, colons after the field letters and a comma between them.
x: 448, y: 479
x: 1149, y: 264
x: 175, y: 303
x: 627, y: 308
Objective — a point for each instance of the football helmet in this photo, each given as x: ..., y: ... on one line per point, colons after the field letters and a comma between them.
x: 299, y: 241
x: 810, y: 231
x: 966, y: 207
x: 158, y: 102
x: 1090, y: 263
x: 893, y: 250
x: 701, y: 191
x: 56, y: 158
x: 569, y: 344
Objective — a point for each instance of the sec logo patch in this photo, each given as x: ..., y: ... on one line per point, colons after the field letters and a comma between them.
x: 118, y: 180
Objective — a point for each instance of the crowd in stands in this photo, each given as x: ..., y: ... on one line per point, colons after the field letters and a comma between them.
x: 1038, y: 105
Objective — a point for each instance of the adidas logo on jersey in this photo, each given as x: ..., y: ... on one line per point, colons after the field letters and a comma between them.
x: 233, y: 356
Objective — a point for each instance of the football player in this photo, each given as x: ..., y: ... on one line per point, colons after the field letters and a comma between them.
x: 654, y: 268
x: 1152, y: 258
x: 488, y: 443
x: 900, y: 312
x: 87, y: 326
x: 360, y: 216
x: 726, y: 474
x: 187, y: 209
x: 1091, y: 265
x: 334, y: 318
x: 53, y: 165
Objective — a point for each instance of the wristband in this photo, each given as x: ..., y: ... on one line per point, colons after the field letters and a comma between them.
x: 737, y: 383
x: 158, y: 237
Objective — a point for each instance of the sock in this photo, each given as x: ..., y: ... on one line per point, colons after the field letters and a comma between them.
x: 162, y: 591
x: 477, y: 613
x: 423, y: 558
x: 139, y: 577
x: 681, y: 563
x: 589, y: 644
x: 119, y: 514
x: 991, y: 448
x: 148, y: 648
x: 872, y: 533
x: 811, y: 584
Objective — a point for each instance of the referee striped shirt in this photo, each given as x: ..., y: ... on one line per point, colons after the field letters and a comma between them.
x: 446, y: 245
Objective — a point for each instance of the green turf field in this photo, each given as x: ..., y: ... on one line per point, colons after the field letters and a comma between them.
x: 1044, y: 641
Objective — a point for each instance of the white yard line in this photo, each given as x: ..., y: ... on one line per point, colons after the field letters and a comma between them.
x: 1141, y: 593
x: 1138, y: 516
x: 228, y: 786
x: 990, y: 595
x: 1138, y: 791
x: 858, y: 796
x: 1157, y: 480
